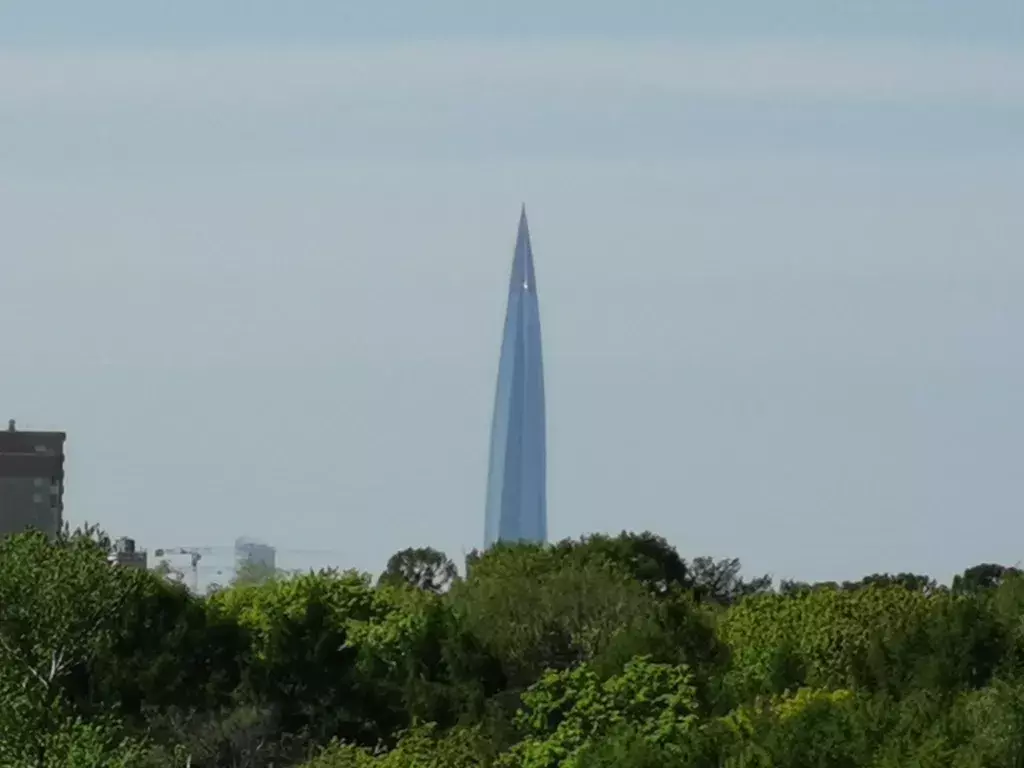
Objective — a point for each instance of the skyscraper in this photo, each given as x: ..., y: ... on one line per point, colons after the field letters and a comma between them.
x: 516, y: 477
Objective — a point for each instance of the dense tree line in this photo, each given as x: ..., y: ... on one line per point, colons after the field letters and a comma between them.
x: 604, y: 651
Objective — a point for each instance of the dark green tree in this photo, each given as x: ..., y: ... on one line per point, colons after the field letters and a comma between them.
x: 982, y: 577
x: 648, y: 559
x: 420, y: 567
x: 719, y: 581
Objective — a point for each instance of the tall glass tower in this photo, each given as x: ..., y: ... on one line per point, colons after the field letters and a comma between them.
x: 516, y: 480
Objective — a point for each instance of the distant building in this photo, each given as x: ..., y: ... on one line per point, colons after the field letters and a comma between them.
x: 254, y: 554
x: 516, y: 481
x: 31, y: 481
x: 125, y: 554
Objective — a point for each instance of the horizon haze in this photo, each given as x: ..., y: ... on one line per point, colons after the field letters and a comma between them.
x: 255, y: 265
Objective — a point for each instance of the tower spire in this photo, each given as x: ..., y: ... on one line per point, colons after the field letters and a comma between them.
x: 516, y: 480
x: 524, y: 277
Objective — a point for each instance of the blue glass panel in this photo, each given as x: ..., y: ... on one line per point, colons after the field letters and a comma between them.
x: 516, y: 481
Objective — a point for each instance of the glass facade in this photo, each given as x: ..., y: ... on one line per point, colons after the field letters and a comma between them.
x: 516, y: 479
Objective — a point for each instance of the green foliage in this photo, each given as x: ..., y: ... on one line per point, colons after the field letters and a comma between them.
x: 648, y: 559
x: 982, y: 577
x: 719, y: 581
x: 58, y: 607
x: 168, y: 649
x: 807, y: 728
x: 300, y: 660
x: 260, y: 608
x: 566, y: 712
x: 421, y: 747
x: 603, y: 651
x: 70, y: 742
x: 416, y: 655
x: 654, y: 563
x: 423, y: 568
x: 826, y: 638
x: 254, y: 573
x: 913, y: 581
x: 624, y: 748
x: 534, y: 609
x: 234, y: 736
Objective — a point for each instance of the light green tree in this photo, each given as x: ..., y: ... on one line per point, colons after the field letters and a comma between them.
x: 568, y: 711
x: 59, y: 605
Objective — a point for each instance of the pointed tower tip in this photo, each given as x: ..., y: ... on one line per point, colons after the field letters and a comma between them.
x: 522, y: 267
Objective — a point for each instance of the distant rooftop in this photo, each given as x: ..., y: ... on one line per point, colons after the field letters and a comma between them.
x: 12, y: 428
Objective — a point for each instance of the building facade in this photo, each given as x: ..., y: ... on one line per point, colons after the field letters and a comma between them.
x: 125, y: 554
x: 31, y: 481
x: 516, y: 508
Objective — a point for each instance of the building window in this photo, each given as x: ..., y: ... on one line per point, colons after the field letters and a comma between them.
x: 38, y: 482
x: 37, y: 498
x: 40, y: 449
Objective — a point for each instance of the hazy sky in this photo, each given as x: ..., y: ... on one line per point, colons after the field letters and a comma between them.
x: 253, y: 259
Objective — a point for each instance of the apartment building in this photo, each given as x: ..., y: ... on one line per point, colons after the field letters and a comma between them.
x: 31, y: 481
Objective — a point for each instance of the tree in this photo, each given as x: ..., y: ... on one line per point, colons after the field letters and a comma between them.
x: 302, y: 664
x: 74, y: 743
x: 533, y: 611
x: 982, y: 577
x: 824, y: 638
x: 806, y: 727
x: 165, y: 570
x: 720, y: 582
x: 566, y: 712
x: 420, y: 747
x: 254, y: 573
x: 625, y: 748
x: 647, y: 558
x: 235, y: 737
x: 168, y: 648
x: 654, y: 563
x: 535, y: 608
x: 791, y: 587
x: 915, y: 582
x: 422, y: 567
x: 59, y: 604
x: 419, y: 659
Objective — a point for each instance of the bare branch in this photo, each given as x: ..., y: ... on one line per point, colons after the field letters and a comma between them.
x: 35, y: 672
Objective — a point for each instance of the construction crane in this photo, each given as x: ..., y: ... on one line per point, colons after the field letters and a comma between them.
x: 215, y: 556
x: 195, y: 555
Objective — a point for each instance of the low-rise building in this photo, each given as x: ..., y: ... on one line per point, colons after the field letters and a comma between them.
x: 125, y: 554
